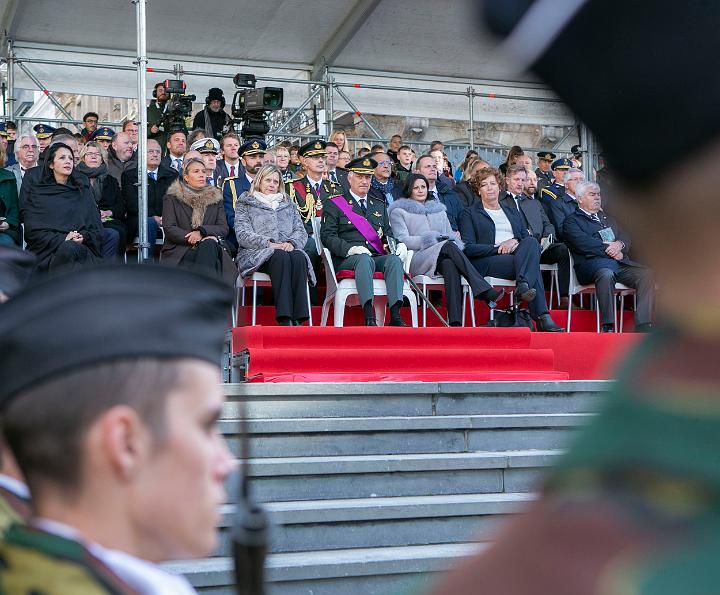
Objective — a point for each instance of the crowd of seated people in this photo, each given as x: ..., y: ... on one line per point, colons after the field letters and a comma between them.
x: 233, y: 206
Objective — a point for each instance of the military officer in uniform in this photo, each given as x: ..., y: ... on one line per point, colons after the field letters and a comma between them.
x: 44, y: 133
x: 209, y: 148
x: 251, y: 155
x: 355, y: 228
x: 543, y: 171
x: 311, y: 192
x: 103, y: 136
x: 555, y: 190
x: 117, y: 439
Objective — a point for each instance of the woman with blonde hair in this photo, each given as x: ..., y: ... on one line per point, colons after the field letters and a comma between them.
x: 271, y: 237
x: 340, y: 139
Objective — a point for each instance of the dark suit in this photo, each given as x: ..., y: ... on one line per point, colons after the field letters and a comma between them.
x: 538, y: 225
x: 156, y: 191
x: 222, y: 172
x: 450, y: 199
x: 167, y: 162
x: 339, y: 235
x: 545, y: 178
x: 341, y: 175
x: 232, y: 189
x: 477, y: 230
x: 558, y: 209
x: 593, y: 265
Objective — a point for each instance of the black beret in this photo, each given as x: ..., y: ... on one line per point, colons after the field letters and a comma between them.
x: 102, y: 314
x: 650, y: 84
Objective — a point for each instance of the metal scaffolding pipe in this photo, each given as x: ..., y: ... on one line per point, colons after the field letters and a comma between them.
x: 305, y: 103
x: 141, y: 65
x: 40, y: 86
x: 10, y: 106
x: 359, y: 113
x: 163, y: 70
x: 61, y: 121
x: 329, y: 110
x: 471, y: 109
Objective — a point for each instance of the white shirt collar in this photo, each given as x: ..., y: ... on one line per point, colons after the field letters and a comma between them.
x: 14, y: 486
x: 235, y: 165
x: 249, y: 178
x: 358, y: 198
x: 143, y: 576
x: 313, y: 182
x: 593, y: 215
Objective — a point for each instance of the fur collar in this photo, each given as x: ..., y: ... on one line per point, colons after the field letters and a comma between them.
x: 197, y: 200
x: 417, y: 208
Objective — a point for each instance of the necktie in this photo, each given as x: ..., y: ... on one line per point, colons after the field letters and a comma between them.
x: 434, y: 194
x: 363, y: 205
x: 333, y: 177
x: 178, y: 164
x: 152, y: 175
x: 232, y: 171
x: 596, y: 217
x: 316, y: 189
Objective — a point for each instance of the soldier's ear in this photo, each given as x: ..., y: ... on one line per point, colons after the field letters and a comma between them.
x: 121, y: 442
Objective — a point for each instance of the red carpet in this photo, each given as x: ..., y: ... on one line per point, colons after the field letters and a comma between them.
x: 329, y: 354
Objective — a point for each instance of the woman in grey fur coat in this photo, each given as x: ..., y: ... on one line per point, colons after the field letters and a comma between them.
x: 423, y: 226
x: 271, y: 236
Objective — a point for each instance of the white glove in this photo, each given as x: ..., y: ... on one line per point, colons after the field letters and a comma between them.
x: 358, y: 250
x: 401, y: 251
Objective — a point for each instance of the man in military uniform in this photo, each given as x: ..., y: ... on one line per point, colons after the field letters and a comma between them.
x: 251, y: 154
x: 633, y: 507
x: 554, y: 191
x: 543, y: 171
x: 565, y: 205
x: 209, y: 148
x: 44, y: 133
x: 121, y: 478
x: 103, y: 136
x: 355, y: 229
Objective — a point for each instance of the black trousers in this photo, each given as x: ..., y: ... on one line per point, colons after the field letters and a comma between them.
x: 640, y: 278
x: 558, y: 254
x: 206, y: 257
x: 288, y: 274
x: 521, y: 265
x: 452, y: 264
x: 311, y: 250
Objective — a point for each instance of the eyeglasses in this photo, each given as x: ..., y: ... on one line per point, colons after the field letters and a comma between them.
x: 154, y: 151
x: 386, y: 162
x: 26, y: 147
x: 91, y: 154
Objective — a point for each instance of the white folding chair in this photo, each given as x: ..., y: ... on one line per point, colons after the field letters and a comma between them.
x: 426, y: 284
x: 554, y: 282
x: 343, y: 292
x: 508, y: 284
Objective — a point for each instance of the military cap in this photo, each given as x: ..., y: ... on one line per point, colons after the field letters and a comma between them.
x: 206, y: 145
x: 253, y: 146
x: 43, y: 130
x: 101, y: 314
x: 561, y: 163
x: 362, y: 165
x: 103, y: 133
x: 546, y: 155
x: 313, y: 148
x: 576, y: 150
x: 3, y: 129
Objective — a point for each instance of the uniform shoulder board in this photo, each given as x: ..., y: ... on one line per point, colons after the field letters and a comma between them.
x: 546, y: 191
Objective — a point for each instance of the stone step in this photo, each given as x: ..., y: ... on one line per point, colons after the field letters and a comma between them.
x: 371, y: 476
x: 398, y: 399
x: 381, y: 522
x: 363, y: 571
x: 401, y: 435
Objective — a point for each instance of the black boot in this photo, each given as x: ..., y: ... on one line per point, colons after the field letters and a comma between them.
x: 525, y: 292
x: 369, y: 312
x: 284, y: 321
x: 608, y: 328
x: 545, y: 324
x: 395, y: 319
x: 492, y: 296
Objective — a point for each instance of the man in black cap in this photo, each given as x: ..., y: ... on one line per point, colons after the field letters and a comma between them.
x: 633, y: 507
x: 543, y: 171
x: 251, y: 155
x: 213, y: 118
x: 355, y: 228
x: 577, y: 154
x: 121, y: 479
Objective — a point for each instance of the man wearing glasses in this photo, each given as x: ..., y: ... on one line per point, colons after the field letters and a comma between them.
x: 26, y: 152
x: 90, y: 123
x: 384, y: 185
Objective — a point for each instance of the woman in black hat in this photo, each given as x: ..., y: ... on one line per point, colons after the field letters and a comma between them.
x: 62, y: 222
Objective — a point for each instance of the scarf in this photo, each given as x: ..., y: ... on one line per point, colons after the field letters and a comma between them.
x: 385, y: 188
x: 96, y: 175
x: 272, y: 201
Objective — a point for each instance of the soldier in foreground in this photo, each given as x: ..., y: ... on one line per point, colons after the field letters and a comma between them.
x: 109, y: 402
x: 634, y: 508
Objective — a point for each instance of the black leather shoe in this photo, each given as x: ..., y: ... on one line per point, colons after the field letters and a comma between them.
x: 492, y: 296
x: 397, y: 321
x: 545, y: 324
x: 607, y: 328
x: 525, y: 292
x: 370, y: 321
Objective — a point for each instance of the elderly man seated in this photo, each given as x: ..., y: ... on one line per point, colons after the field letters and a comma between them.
x: 600, y: 249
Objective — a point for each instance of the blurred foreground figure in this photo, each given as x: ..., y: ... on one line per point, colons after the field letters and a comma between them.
x: 634, y: 508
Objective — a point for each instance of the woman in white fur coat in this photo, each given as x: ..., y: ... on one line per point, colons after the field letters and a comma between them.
x: 423, y: 226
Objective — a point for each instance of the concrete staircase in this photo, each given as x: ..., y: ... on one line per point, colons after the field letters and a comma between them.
x: 372, y: 487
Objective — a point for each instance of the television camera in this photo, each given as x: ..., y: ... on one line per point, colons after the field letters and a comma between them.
x: 178, y: 107
x: 251, y: 105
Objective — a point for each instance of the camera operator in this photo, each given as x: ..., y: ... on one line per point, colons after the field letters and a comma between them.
x: 213, y: 119
x: 155, y: 114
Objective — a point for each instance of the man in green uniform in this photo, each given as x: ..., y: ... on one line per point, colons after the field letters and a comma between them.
x: 634, y: 508
x: 109, y: 402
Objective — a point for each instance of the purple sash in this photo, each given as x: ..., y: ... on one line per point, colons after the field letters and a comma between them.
x: 361, y: 224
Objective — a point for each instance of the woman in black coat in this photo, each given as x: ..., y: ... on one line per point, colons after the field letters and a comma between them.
x: 106, y: 191
x: 498, y: 245
x: 62, y: 221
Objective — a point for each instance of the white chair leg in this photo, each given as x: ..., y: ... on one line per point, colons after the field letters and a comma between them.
x: 569, y: 316
x: 413, y: 309
x: 464, y: 304
x: 254, y: 303
x: 325, y: 311
x: 471, y: 305
x: 339, y: 307
x: 424, y: 290
x: 307, y: 292
x: 597, y: 317
x: 552, y: 288
x: 557, y: 288
x: 380, y: 305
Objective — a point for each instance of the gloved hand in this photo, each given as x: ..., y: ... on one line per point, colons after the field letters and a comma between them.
x: 358, y: 250
x: 401, y: 251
